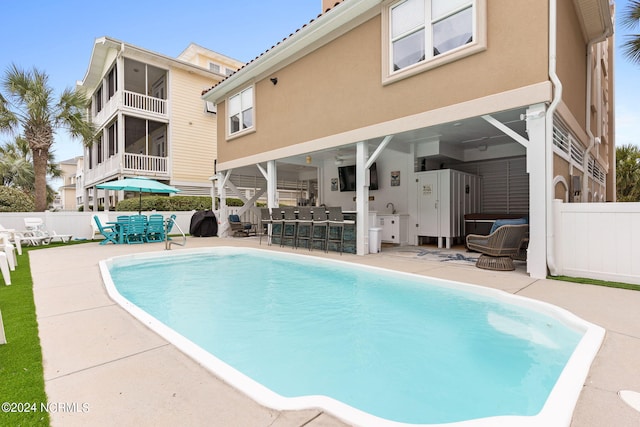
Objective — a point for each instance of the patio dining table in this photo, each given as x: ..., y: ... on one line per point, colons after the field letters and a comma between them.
x: 122, y: 223
x: 119, y: 227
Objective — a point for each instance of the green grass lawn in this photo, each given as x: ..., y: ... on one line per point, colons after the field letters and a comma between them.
x: 596, y: 282
x: 21, y: 374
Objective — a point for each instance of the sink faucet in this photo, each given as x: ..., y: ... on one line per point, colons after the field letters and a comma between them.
x: 393, y: 208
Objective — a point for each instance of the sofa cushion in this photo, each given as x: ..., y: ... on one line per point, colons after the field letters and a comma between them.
x: 500, y: 222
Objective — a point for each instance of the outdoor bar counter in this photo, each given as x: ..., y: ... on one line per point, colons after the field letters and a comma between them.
x: 317, y: 243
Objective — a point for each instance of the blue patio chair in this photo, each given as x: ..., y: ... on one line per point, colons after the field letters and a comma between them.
x: 109, y: 233
x: 155, y: 228
x: 170, y: 222
x: 122, y: 227
x: 137, y: 229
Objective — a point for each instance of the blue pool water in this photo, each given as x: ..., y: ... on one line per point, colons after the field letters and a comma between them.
x: 389, y: 344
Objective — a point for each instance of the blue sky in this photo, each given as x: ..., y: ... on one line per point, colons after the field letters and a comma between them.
x: 57, y: 37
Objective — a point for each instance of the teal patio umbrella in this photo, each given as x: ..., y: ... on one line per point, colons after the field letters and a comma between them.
x: 139, y: 184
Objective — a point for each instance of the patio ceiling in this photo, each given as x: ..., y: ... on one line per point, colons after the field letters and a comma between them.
x: 471, y: 133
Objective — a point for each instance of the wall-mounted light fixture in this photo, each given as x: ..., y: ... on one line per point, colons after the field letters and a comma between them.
x: 308, y: 159
x: 274, y: 80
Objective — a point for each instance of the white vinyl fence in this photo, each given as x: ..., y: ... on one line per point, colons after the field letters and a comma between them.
x: 598, y: 240
x: 78, y: 224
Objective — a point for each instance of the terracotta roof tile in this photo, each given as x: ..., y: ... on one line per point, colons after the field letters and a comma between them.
x: 272, y: 47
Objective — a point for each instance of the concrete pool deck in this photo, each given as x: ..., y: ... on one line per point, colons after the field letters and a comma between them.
x: 103, y: 367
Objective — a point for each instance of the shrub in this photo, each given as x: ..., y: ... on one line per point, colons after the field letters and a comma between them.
x: 164, y: 203
x: 13, y: 200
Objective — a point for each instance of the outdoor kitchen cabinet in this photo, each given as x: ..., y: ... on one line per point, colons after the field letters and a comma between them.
x: 444, y: 197
x: 394, y: 228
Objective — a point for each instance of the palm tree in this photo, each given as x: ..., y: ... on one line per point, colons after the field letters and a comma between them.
x: 28, y: 103
x: 16, y: 167
x: 631, y: 21
x: 628, y: 173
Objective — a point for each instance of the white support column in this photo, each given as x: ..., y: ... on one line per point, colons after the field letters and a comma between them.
x: 538, y: 183
x: 272, y: 184
x: 120, y: 142
x: 222, y: 220
x: 107, y: 202
x: 362, y: 198
x: 85, y: 199
x: 214, y: 190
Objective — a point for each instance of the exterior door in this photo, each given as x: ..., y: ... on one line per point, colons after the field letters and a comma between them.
x: 428, y: 204
x: 159, y: 144
x: 158, y: 89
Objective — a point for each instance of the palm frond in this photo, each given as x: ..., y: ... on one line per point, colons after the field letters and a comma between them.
x: 631, y: 48
x: 631, y: 15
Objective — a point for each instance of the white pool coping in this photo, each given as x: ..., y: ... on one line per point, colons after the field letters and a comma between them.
x: 557, y: 411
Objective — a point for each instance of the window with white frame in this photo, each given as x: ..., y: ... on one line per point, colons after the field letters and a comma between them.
x: 240, y: 111
x: 420, y: 32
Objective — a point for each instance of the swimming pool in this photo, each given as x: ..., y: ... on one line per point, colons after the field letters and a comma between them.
x: 369, y: 345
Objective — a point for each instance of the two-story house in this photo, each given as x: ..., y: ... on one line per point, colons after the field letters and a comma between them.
x: 519, y: 95
x: 151, y: 121
x: 68, y: 196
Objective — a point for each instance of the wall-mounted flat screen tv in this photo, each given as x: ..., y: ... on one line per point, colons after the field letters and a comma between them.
x: 347, y: 177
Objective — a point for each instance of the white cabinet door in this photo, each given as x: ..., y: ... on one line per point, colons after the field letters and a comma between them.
x: 428, y: 204
x: 390, y: 225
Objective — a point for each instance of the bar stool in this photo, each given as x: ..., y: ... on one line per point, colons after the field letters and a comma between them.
x: 289, y: 219
x: 305, y: 221
x: 276, y: 219
x: 321, y: 221
x: 265, y: 221
x: 336, y: 222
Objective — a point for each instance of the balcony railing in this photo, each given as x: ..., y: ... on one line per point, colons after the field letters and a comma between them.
x: 136, y: 164
x: 131, y: 101
x: 142, y: 102
x: 143, y: 163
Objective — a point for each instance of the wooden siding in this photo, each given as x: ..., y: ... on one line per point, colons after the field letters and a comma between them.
x: 192, y: 143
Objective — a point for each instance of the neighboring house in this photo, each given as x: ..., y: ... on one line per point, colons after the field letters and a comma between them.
x: 150, y: 118
x: 67, y: 193
x: 517, y: 93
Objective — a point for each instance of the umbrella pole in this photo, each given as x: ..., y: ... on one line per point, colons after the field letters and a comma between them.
x: 140, y: 205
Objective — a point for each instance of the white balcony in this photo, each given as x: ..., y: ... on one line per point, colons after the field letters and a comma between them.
x: 130, y: 164
x: 149, y: 104
x: 145, y: 165
x: 132, y: 102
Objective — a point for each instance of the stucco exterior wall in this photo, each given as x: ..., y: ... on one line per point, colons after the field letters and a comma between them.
x: 572, y: 61
x: 191, y: 143
x: 338, y: 87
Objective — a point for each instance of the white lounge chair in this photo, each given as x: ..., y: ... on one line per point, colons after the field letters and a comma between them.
x: 37, y: 227
x: 13, y: 237
x: 4, y: 268
x: 9, y: 250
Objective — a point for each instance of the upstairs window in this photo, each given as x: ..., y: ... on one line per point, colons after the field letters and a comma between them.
x: 419, y: 32
x: 112, y: 134
x: 240, y: 111
x: 112, y: 82
x: 97, y: 100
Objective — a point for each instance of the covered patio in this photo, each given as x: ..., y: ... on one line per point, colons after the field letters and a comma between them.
x: 503, y: 149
